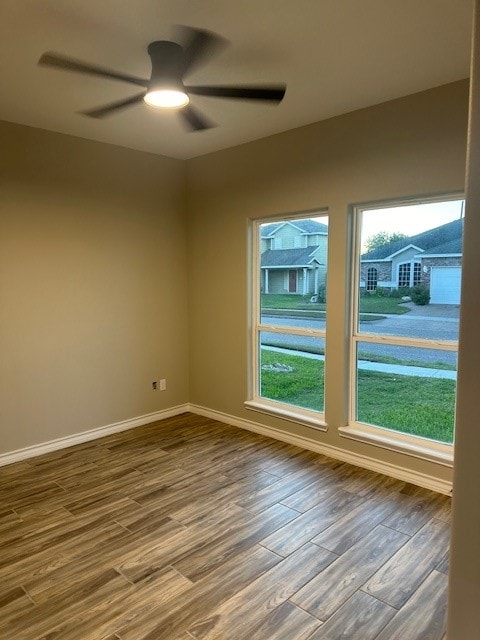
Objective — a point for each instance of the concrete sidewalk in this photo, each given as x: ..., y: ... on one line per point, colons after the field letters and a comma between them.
x: 399, y: 369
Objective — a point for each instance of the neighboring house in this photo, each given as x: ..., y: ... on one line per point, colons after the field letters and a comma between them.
x: 293, y: 256
x: 432, y: 258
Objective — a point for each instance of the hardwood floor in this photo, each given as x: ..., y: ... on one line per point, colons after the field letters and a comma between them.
x: 190, y: 528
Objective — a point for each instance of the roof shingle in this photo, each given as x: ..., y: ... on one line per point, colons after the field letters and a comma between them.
x: 431, y: 241
x: 287, y: 257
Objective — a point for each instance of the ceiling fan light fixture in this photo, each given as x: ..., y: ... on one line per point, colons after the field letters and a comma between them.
x: 166, y: 98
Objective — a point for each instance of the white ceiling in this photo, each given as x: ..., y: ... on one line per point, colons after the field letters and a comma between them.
x: 335, y: 56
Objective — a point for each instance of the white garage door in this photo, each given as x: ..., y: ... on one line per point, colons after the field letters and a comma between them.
x: 445, y: 285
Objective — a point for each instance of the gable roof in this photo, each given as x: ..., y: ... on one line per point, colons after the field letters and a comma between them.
x: 432, y: 241
x: 288, y: 257
x: 305, y: 226
x: 452, y: 247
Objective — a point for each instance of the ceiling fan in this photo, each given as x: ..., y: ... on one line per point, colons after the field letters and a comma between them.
x: 171, y: 62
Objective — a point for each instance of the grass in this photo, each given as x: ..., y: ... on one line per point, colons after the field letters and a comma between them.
x: 419, y: 406
x: 362, y: 355
x: 368, y: 304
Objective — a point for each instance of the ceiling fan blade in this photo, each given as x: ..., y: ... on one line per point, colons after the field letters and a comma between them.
x: 58, y: 61
x: 195, y: 120
x: 199, y: 45
x: 274, y: 93
x: 107, y: 109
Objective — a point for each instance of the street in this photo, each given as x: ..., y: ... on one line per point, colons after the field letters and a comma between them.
x: 429, y: 326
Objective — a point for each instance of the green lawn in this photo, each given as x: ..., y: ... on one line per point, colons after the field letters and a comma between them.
x: 362, y: 355
x: 419, y: 406
x: 368, y: 304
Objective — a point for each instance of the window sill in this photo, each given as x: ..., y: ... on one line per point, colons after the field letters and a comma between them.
x: 297, y: 415
x: 401, y: 443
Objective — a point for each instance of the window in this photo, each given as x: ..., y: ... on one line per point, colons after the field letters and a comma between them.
x: 288, y: 331
x: 404, y: 352
x: 409, y: 274
x: 404, y: 275
x: 372, y: 279
x: 417, y: 273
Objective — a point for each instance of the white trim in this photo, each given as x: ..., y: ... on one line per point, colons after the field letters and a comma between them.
x: 92, y: 434
x: 292, y: 266
x: 403, y: 443
x: 366, y: 462
x: 403, y: 341
x: 294, y: 331
x: 409, y: 246
x: 254, y: 267
x: 441, y: 255
x: 359, y: 460
x: 415, y: 446
x: 299, y: 415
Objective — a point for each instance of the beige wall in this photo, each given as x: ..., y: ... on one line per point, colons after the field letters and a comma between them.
x: 464, y: 583
x: 407, y: 147
x: 93, y: 302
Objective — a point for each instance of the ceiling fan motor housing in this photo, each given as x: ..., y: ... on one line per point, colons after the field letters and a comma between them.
x: 168, y: 65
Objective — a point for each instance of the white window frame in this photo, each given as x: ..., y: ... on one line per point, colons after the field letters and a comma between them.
x: 416, y: 263
x: 368, y: 279
x: 411, y: 272
x: 416, y: 446
x: 408, y: 264
x: 307, y: 417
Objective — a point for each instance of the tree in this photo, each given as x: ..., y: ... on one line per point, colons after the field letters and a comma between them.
x: 382, y: 238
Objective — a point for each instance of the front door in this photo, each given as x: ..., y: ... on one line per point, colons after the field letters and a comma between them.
x: 292, y: 281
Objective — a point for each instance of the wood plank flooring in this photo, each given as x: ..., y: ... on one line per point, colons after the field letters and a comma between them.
x: 190, y: 528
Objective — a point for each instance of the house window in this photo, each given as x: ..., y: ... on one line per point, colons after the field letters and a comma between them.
x: 409, y: 274
x: 372, y: 279
x: 287, y: 344
x: 404, y: 367
x: 417, y: 273
x: 404, y: 275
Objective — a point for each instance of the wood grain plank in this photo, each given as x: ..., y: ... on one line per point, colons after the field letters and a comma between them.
x: 241, y: 614
x: 199, y: 563
x: 444, y: 564
x: 115, y: 551
x: 13, y: 604
x: 323, y: 595
x: 307, y: 525
x: 82, y: 559
x: 424, y: 616
x: 400, y: 576
x: 415, y: 508
x: 225, y: 582
x: 287, y: 621
x: 278, y: 491
x: 181, y: 544
x: 312, y: 494
x: 354, y: 525
x: 44, y: 618
x: 107, y: 614
x: 361, y: 617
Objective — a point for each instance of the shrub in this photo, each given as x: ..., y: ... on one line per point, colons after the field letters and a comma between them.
x: 400, y: 292
x: 322, y: 293
x: 420, y: 295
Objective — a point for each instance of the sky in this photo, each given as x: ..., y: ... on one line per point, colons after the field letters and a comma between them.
x: 411, y: 219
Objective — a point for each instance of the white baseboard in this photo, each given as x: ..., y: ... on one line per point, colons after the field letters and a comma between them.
x: 373, y: 464
x: 395, y: 471
x: 92, y: 434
